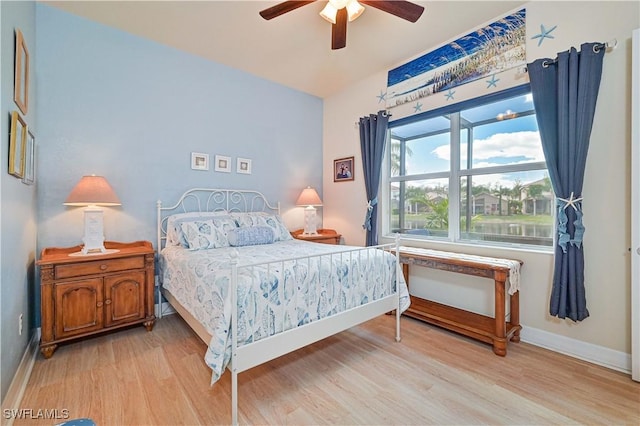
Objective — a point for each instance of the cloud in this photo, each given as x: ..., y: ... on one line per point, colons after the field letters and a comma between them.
x: 500, y: 149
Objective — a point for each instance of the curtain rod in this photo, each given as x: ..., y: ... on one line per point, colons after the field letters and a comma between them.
x: 608, y: 46
x: 387, y: 111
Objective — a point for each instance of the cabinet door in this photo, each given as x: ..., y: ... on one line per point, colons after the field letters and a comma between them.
x: 78, y: 307
x: 124, y: 298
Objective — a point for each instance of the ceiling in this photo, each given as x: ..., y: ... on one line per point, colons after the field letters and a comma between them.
x: 293, y: 49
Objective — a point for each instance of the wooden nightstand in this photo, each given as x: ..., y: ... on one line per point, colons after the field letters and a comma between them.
x: 325, y: 236
x: 85, y: 295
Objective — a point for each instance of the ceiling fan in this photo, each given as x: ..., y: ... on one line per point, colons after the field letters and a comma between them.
x: 338, y: 12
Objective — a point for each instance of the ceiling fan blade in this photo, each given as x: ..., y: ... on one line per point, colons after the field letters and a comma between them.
x: 402, y: 9
x: 282, y: 8
x: 339, y: 30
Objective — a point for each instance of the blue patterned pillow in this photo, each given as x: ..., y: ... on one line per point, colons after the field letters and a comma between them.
x: 174, y: 232
x: 250, y: 236
x: 206, y: 234
x: 280, y: 231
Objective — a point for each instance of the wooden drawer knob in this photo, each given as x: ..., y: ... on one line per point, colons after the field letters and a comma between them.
x: 103, y: 267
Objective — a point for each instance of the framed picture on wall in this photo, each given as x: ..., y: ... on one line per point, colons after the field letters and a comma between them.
x: 17, y: 145
x: 30, y: 160
x: 21, y: 77
x: 199, y: 161
x: 343, y: 169
x: 223, y: 164
x: 243, y: 166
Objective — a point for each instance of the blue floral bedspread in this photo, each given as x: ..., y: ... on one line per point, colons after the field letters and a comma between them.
x: 276, y: 297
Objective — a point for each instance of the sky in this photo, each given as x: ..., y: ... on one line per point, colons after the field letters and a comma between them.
x: 505, y: 142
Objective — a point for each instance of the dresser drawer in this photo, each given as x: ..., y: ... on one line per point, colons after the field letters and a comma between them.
x: 98, y: 267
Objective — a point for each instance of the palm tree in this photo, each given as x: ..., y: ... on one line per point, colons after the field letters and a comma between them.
x: 438, y: 218
x: 516, y: 197
x: 394, y: 153
x: 502, y: 191
x: 416, y: 195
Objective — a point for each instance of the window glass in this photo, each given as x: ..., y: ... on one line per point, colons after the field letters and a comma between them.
x: 420, y: 207
x: 489, y: 151
x: 501, y: 208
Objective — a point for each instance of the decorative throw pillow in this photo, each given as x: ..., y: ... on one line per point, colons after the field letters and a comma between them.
x: 174, y: 233
x: 250, y: 236
x: 280, y: 231
x: 206, y: 234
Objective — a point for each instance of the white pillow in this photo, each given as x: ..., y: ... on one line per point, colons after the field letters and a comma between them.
x: 174, y: 234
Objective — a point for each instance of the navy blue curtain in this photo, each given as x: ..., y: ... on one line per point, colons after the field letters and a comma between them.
x: 373, y: 136
x: 564, y: 92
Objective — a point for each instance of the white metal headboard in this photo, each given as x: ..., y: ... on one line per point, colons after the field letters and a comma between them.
x: 211, y: 200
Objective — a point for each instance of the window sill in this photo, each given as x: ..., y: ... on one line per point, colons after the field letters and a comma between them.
x: 480, y: 248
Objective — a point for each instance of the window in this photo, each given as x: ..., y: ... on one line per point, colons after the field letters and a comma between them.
x: 473, y: 172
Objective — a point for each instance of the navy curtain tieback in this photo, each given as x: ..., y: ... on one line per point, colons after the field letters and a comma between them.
x: 367, y: 219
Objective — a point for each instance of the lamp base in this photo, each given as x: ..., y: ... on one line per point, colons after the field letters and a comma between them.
x: 310, y: 226
x: 93, y: 238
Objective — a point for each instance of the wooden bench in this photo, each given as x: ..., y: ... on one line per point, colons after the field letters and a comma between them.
x: 496, y: 330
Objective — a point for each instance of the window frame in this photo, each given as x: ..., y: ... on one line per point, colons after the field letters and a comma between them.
x: 455, y: 172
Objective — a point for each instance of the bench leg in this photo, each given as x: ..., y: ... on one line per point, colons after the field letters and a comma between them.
x: 514, y: 304
x: 499, y: 340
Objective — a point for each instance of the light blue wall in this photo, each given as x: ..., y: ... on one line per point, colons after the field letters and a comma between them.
x: 113, y: 104
x: 17, y: 201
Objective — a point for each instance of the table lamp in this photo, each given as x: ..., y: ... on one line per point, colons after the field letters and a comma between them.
x: 309, y: 197
x: 93, y: 191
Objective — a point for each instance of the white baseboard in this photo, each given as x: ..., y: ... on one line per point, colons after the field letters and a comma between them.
x: 599, y: 355
x: 16, y: 390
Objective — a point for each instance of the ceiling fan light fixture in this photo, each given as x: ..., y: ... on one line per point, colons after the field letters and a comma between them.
x: 329, y: 13
x: 354, y: 9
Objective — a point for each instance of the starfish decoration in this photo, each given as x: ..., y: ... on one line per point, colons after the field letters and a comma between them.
x: 544, y: 33
x: 381, y: 97
x: 493, y: 81
x: 417, y: 107
x: 571, y: 202
x: 450, y: 94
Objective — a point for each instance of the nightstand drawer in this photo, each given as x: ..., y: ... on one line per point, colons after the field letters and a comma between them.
x: 98, y: 267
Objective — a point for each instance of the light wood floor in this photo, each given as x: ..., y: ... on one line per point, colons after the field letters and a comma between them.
x: 361, y: 376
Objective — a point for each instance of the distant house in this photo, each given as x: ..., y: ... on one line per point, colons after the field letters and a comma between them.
x: 537, y: 200
x: 488, y: 204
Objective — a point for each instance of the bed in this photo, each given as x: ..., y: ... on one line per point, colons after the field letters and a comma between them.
x: 231, y: 269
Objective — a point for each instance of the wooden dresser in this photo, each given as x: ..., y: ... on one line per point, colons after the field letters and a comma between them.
x: 85, y: 295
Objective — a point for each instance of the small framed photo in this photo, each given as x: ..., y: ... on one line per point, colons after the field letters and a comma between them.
x: 21, y: 77
x: 30, y: 160
x: 199, y: 161
x: 17, y: 145
x: 223, y: 164
x: 343, y: 169
x: 243, y: 166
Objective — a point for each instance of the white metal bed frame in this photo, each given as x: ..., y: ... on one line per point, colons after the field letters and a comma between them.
x: 244, y: 357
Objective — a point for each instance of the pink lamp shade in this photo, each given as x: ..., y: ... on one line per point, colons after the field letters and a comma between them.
x: 92, y: 191
x: 309, y: 197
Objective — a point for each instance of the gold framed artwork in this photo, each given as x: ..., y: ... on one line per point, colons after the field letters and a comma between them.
x: 17, y: 145
x: 343, y: 169
x: 30, y: 160
x: 21, y: 76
